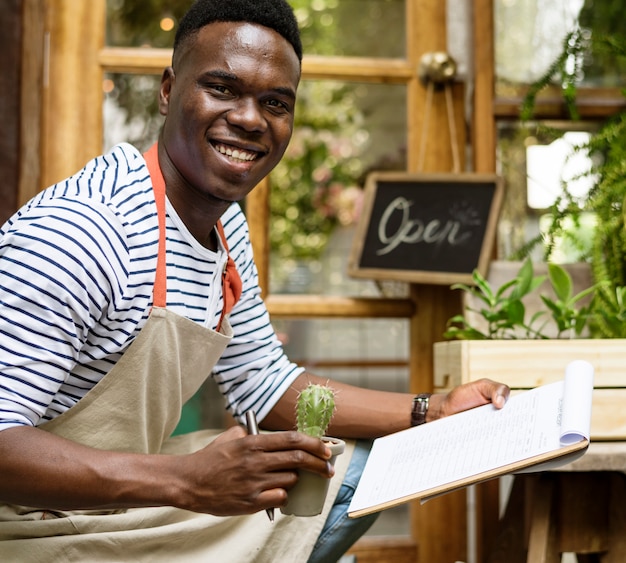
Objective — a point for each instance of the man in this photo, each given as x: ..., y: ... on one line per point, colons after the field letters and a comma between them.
x: 123, y: 287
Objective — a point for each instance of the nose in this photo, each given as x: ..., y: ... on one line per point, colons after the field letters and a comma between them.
x: 248, y: 115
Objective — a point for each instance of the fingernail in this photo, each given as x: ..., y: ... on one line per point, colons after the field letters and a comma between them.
x: 330, y: 468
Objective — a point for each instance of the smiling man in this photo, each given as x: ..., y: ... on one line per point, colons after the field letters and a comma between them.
x: 125, y: 286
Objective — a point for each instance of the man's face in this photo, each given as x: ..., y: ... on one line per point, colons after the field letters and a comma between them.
x: 229, y: 107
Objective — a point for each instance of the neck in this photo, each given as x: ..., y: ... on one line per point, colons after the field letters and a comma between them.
x: 199, y: 212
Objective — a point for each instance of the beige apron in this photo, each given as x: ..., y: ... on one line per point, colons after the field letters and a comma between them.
x: 135, y: 408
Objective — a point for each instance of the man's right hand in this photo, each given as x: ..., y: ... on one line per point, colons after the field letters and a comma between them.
x: 235, y: 474
x: 242, y: 474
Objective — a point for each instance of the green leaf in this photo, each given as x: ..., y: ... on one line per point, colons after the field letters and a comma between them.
x: 561, y: 282
x: 536, y: 282
x: 505, y: 286
x: 525, y: 276
x: 464, y: 334
x: 456, y: 319
x: 516, y: 312
x: 582, y: 294
x: 580, y: 324
x: 552, y: 305
x: 484, y: 286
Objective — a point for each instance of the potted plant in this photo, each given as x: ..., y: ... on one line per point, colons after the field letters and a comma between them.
x: 525, y: 330
x: 314, y: 409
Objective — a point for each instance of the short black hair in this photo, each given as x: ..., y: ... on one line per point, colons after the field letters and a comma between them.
x: 275, y: 14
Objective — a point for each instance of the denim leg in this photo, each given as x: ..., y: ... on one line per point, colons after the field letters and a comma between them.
x: 340, y: 532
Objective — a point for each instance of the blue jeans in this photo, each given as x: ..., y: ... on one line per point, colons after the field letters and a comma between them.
x: 339, y: 531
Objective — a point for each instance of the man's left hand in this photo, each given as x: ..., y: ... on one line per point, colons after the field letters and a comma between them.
x: 468, y: 396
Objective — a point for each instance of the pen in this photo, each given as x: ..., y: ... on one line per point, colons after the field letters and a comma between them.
x: 253, y: 429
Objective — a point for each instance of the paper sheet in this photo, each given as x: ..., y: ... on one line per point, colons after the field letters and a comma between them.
x: 417, y: 462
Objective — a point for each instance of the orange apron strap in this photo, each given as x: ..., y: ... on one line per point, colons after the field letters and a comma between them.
x: 231, y: 282
x: 158, y: 185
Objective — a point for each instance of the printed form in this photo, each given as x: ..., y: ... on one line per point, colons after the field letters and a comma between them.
x: 536, y: 430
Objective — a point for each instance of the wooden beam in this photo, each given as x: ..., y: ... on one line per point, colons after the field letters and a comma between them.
x: 484, y: 140
x: 328, y: 306
x: 439, y: 526
x: 483, y: 124
x: 72, y: 87
x: 590, y: 103
x: 10, y: 64
x: 153, y: 61
x: 257, y: 210
x: 384, y: 550
x: 34, y: 19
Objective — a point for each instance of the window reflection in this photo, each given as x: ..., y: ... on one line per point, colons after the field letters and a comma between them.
x: 342, y: 132
x: 131, y: 110
x: 365, y: 28
x: 537, y: 167
x: 529, y: 35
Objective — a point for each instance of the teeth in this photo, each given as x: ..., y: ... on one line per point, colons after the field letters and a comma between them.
x: 236, y: 154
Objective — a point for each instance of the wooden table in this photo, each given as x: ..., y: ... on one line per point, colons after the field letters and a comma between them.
x: 579, y: 508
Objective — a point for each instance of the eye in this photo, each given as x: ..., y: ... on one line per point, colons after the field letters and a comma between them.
x: 278, y: 106
x: 218, y: 89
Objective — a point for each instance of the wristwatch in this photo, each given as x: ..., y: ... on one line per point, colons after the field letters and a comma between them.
x: 420, y: 408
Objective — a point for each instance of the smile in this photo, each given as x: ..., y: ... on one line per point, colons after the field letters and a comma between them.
x: 236, y: 154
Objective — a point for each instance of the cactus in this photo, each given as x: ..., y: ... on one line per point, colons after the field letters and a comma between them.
x: 314, y: 409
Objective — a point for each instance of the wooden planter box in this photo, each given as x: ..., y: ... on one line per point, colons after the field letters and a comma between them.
x: 524, y: 364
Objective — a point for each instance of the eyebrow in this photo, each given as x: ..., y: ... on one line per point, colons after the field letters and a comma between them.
x: 282, y: 90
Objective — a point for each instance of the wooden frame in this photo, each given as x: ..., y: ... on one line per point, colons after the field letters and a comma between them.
x: 426, y: 228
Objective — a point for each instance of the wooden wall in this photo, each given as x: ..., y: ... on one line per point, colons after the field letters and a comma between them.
x: 10, y: 70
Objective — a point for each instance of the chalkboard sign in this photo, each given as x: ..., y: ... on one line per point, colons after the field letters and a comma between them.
x: 433, y: 229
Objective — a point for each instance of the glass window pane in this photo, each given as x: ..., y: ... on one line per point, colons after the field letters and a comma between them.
x: 551, y: 163
x: 536, y: 165
x: 341, y: 349
x: 342, y: 132
x: 369, y: 28
x: 529, y: 36
x: 137, y: 23
x: 131, y: 112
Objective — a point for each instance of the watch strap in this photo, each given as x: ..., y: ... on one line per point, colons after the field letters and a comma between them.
x: 420, y: 408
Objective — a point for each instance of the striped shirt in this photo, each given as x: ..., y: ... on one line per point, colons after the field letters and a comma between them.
x: 77, y: 268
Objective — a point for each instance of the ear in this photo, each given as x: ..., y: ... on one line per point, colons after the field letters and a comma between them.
x: 167, y: 81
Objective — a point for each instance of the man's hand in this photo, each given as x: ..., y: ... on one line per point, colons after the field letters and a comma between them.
x: 468, y: 396
x: 241, y: 474
x: 235, y: 474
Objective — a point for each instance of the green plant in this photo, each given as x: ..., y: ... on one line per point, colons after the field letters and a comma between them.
x: 607, y: 197
x: 314, y: 409
x: 505, y: 312
x: 609, y: 320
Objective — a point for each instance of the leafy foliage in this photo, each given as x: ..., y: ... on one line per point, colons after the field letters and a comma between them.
x: 607, y: 197
x: 562, y: 70
x: 314, y: 187
x: 505, y: 312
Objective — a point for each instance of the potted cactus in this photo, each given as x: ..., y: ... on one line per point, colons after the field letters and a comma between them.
x: 314, y: 409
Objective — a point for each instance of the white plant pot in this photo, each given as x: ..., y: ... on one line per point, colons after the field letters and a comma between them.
x: 308, y: 495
